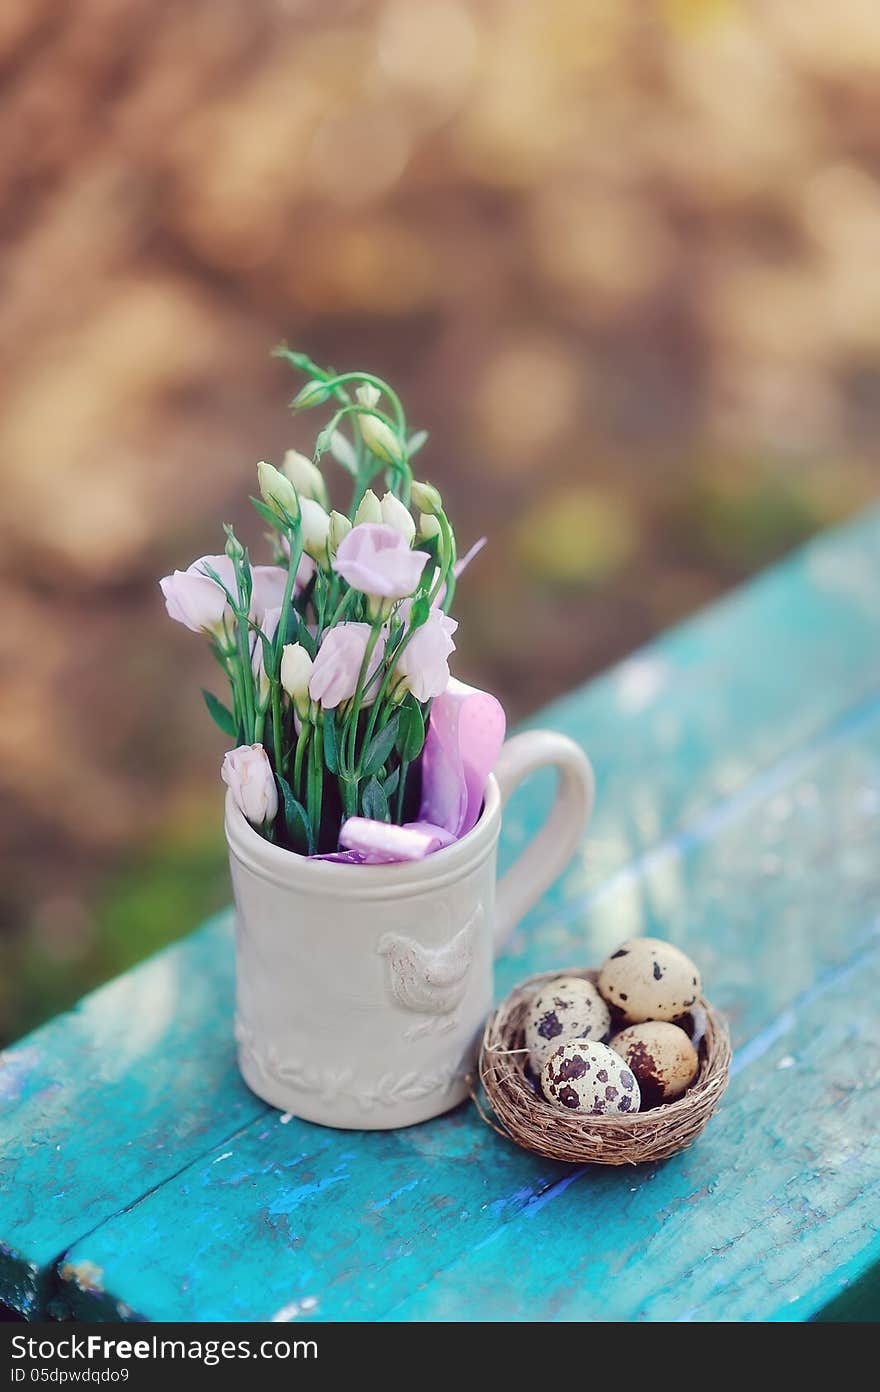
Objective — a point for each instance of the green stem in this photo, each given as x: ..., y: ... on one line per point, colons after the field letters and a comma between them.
x: 365, y: 476
x: 246, y: 678
x: 348, y: 793
x: 367, y: 377
x: 296, y: 551
x: 383, y: 689
x: 318, y: 790
x: 302, y: 744
x: 351, y: 732
x: 342, y: 607
x: 447, y: 575
x: 301, y: 363
x: 280, y: 759
x: 364, y: 479
x: 310, y: 800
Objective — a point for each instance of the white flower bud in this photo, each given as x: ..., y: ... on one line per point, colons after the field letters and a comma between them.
x: 312, y: 394
x: 395, y: 515
x: 368, y: 395
x: 369, y: 509
x: 426, y: 497
x: 315, y: 525
x: 428, y: 526
x: 381, y: 439
x: 246, y: 771
x: 305, y: 476
x: 278, y: 492
x: 339, y: 530
x: 296, y: 669
x: 234, y: 549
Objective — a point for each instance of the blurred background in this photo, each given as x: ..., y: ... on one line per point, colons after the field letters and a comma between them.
x: 620, y: 259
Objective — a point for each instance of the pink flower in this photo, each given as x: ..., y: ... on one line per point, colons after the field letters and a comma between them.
x: 304, y: 571
x: 269, y: 621
x: 221, y: 564
x: 338, y: 663
x: 268, y: 590
x: 424, y: 662
x: 246, y: 771
x: 375, y: 559
x: 194, y: 599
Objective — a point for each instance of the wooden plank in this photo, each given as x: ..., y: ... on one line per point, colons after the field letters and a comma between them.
x: 859, y: 1300
x: 766, y: 1219
x: 111, y: 1098
x: 769, y: 831
x: 780, y: 901
x: 302, y: 1199
x: 691, y: 719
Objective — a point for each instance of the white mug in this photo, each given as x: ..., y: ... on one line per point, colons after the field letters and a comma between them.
x: 362, y: 989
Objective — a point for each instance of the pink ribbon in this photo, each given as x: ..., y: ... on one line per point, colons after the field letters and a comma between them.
x: 465, y: 735
x: 464, y: 738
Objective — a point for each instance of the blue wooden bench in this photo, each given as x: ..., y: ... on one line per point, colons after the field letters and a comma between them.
x: 738, y: 765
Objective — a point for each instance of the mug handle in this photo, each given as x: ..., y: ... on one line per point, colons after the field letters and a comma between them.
x: 552, y: 847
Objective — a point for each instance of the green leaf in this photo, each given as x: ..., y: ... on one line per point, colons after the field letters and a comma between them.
x: 381, y: 746
x: 343, y: 452
x: 374, y: 802
x: 325, y: 436
x: 420, y: 611
x: 331, y: 743
x: 268, y: 515
x: 296, y: 818
x: 389, y: 787
x: 221, y: 714
x: 301, y: 361
x: 415, y: 442
x: 411, y: 736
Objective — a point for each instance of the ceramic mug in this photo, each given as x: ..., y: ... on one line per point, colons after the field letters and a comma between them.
x: 362, y: 989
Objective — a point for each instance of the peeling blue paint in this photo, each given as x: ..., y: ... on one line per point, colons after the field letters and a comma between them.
x: 738, y: 763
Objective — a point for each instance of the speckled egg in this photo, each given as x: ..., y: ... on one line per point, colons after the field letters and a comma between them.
x: 583, y: 1076
x: 662, y: 1057
x: 694, y: 1022
x: 647, y: 979
x: 567, y: 1008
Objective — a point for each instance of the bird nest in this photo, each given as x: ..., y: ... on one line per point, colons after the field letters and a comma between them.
x: 522, y: 1114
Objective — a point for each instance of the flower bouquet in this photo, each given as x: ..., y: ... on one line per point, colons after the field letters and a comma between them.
x: 335, y: 651
x: 354, y: 746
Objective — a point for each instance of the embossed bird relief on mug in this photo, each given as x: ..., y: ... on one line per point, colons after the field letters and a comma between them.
x: 429, y: 983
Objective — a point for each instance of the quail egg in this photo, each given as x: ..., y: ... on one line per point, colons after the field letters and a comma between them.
x: 648, y: 979
x: 662, y: 1057
x: 568, y: 1008
x: 694, y: 1022
x: 584, y: 1076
